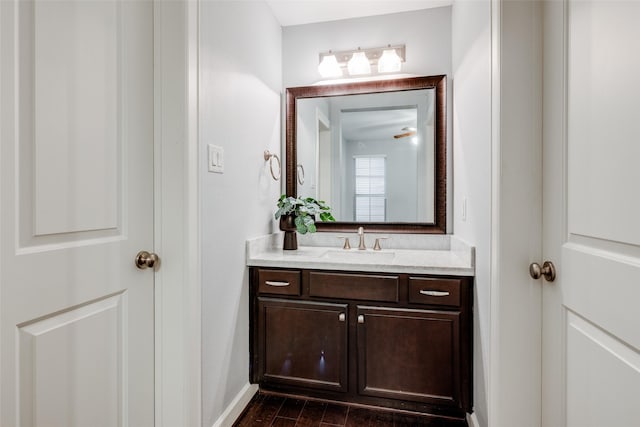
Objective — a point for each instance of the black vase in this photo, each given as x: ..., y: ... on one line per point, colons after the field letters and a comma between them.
x: 288, y: 225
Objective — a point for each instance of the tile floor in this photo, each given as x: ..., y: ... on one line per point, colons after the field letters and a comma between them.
x: 271, y: 410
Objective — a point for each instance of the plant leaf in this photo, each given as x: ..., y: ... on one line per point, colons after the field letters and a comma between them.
x: 305, y: 211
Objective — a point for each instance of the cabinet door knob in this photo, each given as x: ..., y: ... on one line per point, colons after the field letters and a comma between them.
x: 361, y: 318
x: 342, y: 317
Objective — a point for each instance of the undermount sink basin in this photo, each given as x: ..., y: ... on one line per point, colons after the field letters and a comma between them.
x: 356, y: 255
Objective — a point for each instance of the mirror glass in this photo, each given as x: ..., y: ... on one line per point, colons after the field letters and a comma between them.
x: 374, y: 151
x: 370, y: 156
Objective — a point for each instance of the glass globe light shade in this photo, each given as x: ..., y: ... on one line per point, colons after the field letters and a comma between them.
x: 359, y: 64
x: 389, y: 62
x: 329, y: 67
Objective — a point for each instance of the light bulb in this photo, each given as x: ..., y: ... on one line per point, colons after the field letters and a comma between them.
x: 389, y: 62
x: 329, y: 67
x: 359, y: 64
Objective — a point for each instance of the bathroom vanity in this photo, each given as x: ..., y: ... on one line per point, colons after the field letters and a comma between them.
x: 389, y: 328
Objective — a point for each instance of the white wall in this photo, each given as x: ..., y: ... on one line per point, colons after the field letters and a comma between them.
x: 471, y: 43
x: 240, y: 93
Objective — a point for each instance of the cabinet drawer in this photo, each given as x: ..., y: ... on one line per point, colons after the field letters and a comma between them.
x: 426, y: 290
x: 279, y: 282
x: 369, y: 287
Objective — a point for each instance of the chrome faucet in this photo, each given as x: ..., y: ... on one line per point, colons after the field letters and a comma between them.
x: 361, y: 246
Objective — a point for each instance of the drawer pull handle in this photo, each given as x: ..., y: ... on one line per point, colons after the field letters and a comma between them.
x: 434, y: 293
x: 361, y: 319
x: 342, y: 317
x: 280, y: 284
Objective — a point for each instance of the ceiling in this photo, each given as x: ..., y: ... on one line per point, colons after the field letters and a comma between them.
x: 298, y: 12
x: 377, y: 125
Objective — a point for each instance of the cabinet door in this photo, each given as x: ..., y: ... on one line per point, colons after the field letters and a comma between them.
x: 303, y: 343
x: 409, y: 355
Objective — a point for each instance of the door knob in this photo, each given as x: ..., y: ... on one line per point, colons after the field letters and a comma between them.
x: 146, y: 259
x: 548, y: 271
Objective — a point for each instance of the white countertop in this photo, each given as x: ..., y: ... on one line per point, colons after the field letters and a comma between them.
x: 402, y: 253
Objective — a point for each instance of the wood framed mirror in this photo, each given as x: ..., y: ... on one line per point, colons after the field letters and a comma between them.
x: 374, y: 151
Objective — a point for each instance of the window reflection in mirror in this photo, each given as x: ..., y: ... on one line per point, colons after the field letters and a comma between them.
x: 369, y: 156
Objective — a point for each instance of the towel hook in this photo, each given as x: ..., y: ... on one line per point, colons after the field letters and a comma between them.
x: 268, y: 156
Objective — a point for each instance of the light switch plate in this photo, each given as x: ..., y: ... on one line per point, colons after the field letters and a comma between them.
x: 216, y: 159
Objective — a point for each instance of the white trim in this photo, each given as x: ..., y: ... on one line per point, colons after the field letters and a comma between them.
x: 509, y: 400
x: 472, y: 420
x: 236, y: 406
x: 493, y: 398
x: 321, y: 118
x: 192, y: 256
x: 176, y: 216
x: 159, y: 276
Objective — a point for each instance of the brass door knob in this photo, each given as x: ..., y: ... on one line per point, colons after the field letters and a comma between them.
x: 146, y: 259
x: 548, y: 271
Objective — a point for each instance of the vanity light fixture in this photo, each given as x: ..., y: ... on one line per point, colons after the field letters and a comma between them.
x: 360, y: 62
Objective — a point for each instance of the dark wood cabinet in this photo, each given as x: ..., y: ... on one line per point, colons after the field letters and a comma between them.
x: 303, y: 343
x: 396, y: 340
x: 409, y: 354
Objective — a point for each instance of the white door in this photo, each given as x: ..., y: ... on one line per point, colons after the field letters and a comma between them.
x: 591, y: 313
x: 76, y: 195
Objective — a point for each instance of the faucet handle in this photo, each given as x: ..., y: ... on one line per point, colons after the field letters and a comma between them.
x: 346, y: 242
x: 376, y: 245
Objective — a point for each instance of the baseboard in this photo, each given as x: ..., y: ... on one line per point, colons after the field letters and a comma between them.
x: 236, y: 407
x: 472, y: 420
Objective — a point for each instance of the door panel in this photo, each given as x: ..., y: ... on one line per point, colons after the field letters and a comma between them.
x: 76, y: 195
x: 591, y: 345
x: 75, y: 121
x: 303, y: 343
x: 82, y: 106
x: 604, y: 289
x: 603, y: 376
x: 422, y: 364
x: 73, y: 356
x: 602, y: 119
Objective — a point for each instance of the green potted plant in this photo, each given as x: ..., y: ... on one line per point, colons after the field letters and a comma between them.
x: 299, y: 215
